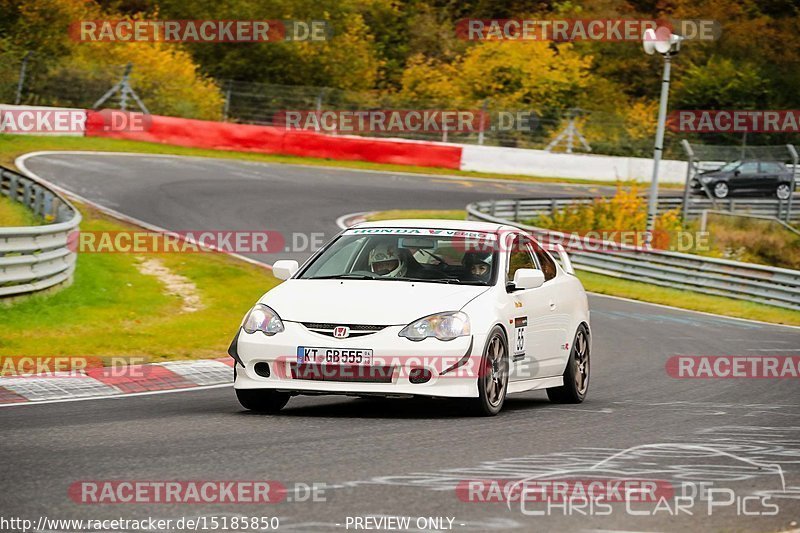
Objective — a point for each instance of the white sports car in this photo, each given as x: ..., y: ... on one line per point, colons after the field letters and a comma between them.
x: 434, y: 308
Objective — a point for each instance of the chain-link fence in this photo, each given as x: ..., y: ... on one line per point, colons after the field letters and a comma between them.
x: 561, y: 129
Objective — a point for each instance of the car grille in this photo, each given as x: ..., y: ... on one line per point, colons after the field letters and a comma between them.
x: 346, y: 373
x: 356, y: 330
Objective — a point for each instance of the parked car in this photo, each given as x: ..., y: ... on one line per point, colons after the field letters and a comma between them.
x: 770, y: 177
x: 413, y: 308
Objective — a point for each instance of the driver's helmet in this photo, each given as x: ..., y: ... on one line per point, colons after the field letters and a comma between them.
x: 479, y: 264
x: 385, y: 261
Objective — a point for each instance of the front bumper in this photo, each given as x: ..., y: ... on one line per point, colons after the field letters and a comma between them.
x: 390, y: 351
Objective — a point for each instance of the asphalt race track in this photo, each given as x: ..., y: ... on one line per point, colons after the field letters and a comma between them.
x: 404, y: 457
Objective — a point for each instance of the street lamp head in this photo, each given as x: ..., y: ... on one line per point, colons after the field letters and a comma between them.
x: 660, y: 40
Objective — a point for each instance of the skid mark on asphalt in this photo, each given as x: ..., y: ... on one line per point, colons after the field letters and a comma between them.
x: 722, y: 455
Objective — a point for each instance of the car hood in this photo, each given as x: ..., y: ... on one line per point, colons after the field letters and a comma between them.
x: 366, y: 301
x: 717, y: 174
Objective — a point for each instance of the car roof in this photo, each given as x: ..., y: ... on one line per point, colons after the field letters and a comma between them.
x: 466, y: 225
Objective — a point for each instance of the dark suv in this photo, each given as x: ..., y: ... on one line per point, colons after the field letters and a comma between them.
x: 769, y: 177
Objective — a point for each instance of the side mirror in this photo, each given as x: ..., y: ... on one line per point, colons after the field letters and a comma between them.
x: 285, y: 268
x: 737, y: 172
x: 528, y: 278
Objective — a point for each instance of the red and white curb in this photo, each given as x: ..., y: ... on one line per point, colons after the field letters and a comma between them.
x: 107, y: 382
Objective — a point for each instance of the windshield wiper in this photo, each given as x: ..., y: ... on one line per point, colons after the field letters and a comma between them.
x: 345, y: 276
x: 433, y: 280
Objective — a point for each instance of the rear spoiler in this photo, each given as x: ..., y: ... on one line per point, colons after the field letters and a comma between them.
x: 566, y: 263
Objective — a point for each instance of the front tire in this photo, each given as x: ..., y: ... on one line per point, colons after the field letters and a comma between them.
x: 576, y: 375
x: 262, y: 400
x: 784, y: 191
x: 721, y: 190
x: 492, y: 376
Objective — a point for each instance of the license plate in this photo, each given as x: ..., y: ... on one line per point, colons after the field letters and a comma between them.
x: 334, y: 356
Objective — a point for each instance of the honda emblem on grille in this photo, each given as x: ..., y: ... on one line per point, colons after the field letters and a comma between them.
x: 341, y: 332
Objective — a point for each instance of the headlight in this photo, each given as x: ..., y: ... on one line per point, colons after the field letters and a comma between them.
x: 262, y: 318
x: 707, y: 179
x: 443, y: 326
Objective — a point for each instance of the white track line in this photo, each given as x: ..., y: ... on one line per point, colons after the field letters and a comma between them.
x: 118, y: 396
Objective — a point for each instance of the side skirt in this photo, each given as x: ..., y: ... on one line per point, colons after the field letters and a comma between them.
x: 534, y: 384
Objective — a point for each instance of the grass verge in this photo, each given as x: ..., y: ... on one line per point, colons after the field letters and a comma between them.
x: 687, y: 300
x: 13, y: 146
x: 15, y: 214
x: 643, y: 291
x: 112, y: 308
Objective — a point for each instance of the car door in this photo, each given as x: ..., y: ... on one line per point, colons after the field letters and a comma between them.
x: 770, y: 174
x: 562, y: 308
x: 747, y: 177
x: 532, y: 338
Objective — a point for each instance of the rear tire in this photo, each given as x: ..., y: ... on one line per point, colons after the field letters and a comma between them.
x: 262, y: 400
x: 576, y: 375
x: 492, y: 376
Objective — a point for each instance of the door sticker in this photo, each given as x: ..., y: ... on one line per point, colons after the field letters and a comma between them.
x: 519, y: 337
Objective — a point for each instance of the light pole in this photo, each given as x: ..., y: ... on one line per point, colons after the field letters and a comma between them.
x: 666, y: 44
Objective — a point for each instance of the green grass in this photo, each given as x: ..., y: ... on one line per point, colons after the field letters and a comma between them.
x: 687, y: 300
x: 113, y: 309
x: 642, y: 291
x: 15, y: 214
x: 12, y: 146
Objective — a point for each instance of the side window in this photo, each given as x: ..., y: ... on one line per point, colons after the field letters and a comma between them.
x: 519, y: 256
x: 771, y: 168
x: 547, y: 263
x: 750, y: 167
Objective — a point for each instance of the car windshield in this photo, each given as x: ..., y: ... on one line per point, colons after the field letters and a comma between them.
x: 408, y: 254
x: 733, y: 165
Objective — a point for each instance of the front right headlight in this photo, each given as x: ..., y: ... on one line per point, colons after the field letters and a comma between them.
x: 444, y: 326
x: 264, y: 319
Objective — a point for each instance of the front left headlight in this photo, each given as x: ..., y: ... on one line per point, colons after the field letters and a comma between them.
x: 443, y: 326
x: 706, y: 179
x: 264, y: 319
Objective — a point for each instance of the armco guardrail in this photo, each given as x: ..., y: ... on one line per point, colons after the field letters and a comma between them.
x: 36, y: 257
x: 708, y: 275
x: 529, y: 208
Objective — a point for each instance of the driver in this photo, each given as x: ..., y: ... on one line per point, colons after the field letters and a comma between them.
x: 479, y: 265
x: 385, y: 261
